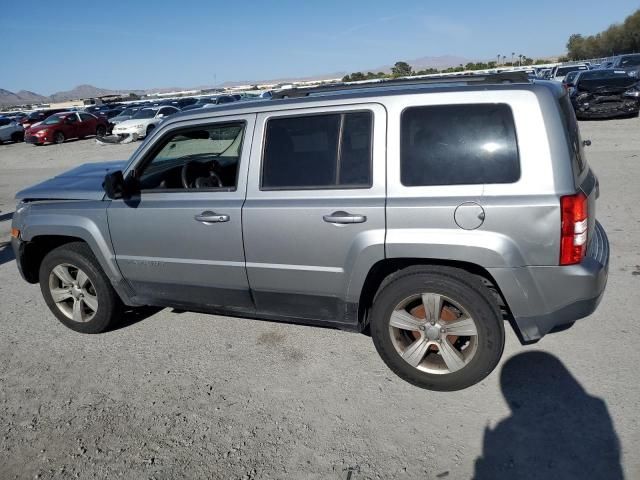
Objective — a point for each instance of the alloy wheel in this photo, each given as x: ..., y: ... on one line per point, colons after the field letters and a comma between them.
x: 73, y: 293
x: 433, y: 333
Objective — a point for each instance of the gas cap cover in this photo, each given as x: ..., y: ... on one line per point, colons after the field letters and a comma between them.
x: 469, y: 215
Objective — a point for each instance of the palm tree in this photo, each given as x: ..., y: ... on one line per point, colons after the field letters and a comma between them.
x: 498, y: 59
x: 504, y: 58
x: 512, y: 54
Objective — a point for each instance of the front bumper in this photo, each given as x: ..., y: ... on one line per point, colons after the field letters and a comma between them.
x: 35, y: 140
x: 133, y: 132
x: 18, y: 247
x: 547, y: 297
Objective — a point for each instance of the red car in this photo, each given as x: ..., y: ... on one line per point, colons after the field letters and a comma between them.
x: 61, y: 126
x: 38, y: 116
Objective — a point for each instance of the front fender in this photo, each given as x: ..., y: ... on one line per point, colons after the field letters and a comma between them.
x: 81, y: 220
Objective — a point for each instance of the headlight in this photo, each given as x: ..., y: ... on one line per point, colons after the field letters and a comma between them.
x: 42, y: 132
x: 632, y: 93
x: 634, y: 73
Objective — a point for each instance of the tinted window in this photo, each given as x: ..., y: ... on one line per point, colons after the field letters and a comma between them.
x: 86, y: 117
x: 318, y: 151
x: 4, y: 122
x: 573, y: 135
x: 458, y: 144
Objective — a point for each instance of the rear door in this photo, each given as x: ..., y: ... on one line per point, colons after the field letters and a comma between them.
x: 315, y: 209
x: 87, y: 125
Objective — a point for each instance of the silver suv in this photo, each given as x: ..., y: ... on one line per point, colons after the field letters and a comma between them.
x: 424, y: 214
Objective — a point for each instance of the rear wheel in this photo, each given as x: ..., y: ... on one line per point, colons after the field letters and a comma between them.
x: 438, y: 328
x: 76, y: 289
x: 58, y: 137
x: 101, y: 130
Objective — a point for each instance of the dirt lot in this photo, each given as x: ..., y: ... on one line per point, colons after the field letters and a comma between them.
x: 196, y: 396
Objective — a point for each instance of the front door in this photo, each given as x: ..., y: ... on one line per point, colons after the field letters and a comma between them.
x: 179, y: 241
x: 314, y: 214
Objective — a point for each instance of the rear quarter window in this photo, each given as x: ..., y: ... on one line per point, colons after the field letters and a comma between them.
x: 573, y: 136
x: 458, y: 145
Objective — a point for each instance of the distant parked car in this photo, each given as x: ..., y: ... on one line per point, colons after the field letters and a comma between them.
x: 628, y: 63
x: 125, y: 114
x: 567, y: 82
x: 560, y: 71
x: 221, y: 100
x: 10, y: 130
x: 145, y: 120
x: 201, y: 102
x: 38, y: 116
x: 605, y: 94
x: 62, y: 126
x: 108, y: 114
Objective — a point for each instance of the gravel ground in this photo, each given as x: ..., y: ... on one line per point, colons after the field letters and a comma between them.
x: 177, y: 395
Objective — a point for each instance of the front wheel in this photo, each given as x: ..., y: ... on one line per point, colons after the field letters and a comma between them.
x: 438, y: 328
x: 101, y: 130
x: 58, y: 137
x: 76, y: 289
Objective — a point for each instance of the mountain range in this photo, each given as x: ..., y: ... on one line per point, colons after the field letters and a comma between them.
x: 8, y: 98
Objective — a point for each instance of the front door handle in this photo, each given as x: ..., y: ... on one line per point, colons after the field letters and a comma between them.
x: 211, y: 217
x: 344, y: 217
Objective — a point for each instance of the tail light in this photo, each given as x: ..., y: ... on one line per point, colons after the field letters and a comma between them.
x: 575, y: 218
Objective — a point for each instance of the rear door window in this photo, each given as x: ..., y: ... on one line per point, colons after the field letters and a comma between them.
x: 458, y: 145
x: 318, y: 151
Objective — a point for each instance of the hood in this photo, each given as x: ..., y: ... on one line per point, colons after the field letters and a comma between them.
x: 607, y: 85
x: 36, y: 127
x: 81, y: 183
x: 135, y: 121
x: 120, y: 118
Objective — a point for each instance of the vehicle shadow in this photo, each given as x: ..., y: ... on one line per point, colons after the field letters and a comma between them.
x: 556, y: 429
x: 6, y: 216
x: 6, y: 253
x: 132, y: 316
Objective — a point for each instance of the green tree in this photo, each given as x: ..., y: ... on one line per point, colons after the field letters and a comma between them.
x: 401, y: 69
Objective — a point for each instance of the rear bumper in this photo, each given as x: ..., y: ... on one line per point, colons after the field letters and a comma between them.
x: 547, y: 297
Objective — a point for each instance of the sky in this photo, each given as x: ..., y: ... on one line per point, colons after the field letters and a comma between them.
x: 48, y: 47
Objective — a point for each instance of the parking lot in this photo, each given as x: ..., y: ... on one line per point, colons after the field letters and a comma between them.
x: 185, y: 395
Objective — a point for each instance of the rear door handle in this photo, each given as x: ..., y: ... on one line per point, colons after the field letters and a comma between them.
x: 344, y: 217
x: 211, y: 217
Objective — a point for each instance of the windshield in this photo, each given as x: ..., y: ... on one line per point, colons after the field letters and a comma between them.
x: 145, y: 113
x: 601, y: 74
x: 128, y: 111
x: 564, y: 70
x: 630, y: 61
x: 34, y: 115
x: 52, y: 120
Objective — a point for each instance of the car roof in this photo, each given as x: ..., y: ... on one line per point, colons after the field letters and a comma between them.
x: 346, y: 92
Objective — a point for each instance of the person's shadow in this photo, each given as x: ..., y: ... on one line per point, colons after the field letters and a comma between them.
x: 556, y: 429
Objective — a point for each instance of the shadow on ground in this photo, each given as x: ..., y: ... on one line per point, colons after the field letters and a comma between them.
x: 555, y: 430
x: 6, y: 216
x: 132, y: 316
x: 6, y: 253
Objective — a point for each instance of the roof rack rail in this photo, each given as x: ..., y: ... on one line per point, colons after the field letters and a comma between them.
x: 480, y: 79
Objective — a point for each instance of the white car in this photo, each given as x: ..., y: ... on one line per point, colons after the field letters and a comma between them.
x: 560, y: 71
x: 10, y: 130
x: 143, y: 122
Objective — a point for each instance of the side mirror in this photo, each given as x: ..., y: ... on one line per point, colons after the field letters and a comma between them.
x: 114, y: 185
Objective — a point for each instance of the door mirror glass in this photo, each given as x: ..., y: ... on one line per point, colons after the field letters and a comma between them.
x: 114, y: 185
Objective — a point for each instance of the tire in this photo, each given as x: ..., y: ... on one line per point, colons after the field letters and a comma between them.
x: 58, y: 138
x: 17, y: 137
x: 150, y: 129
x: 101, y: 130
x: 460, y: 293
x: 77, y: 257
